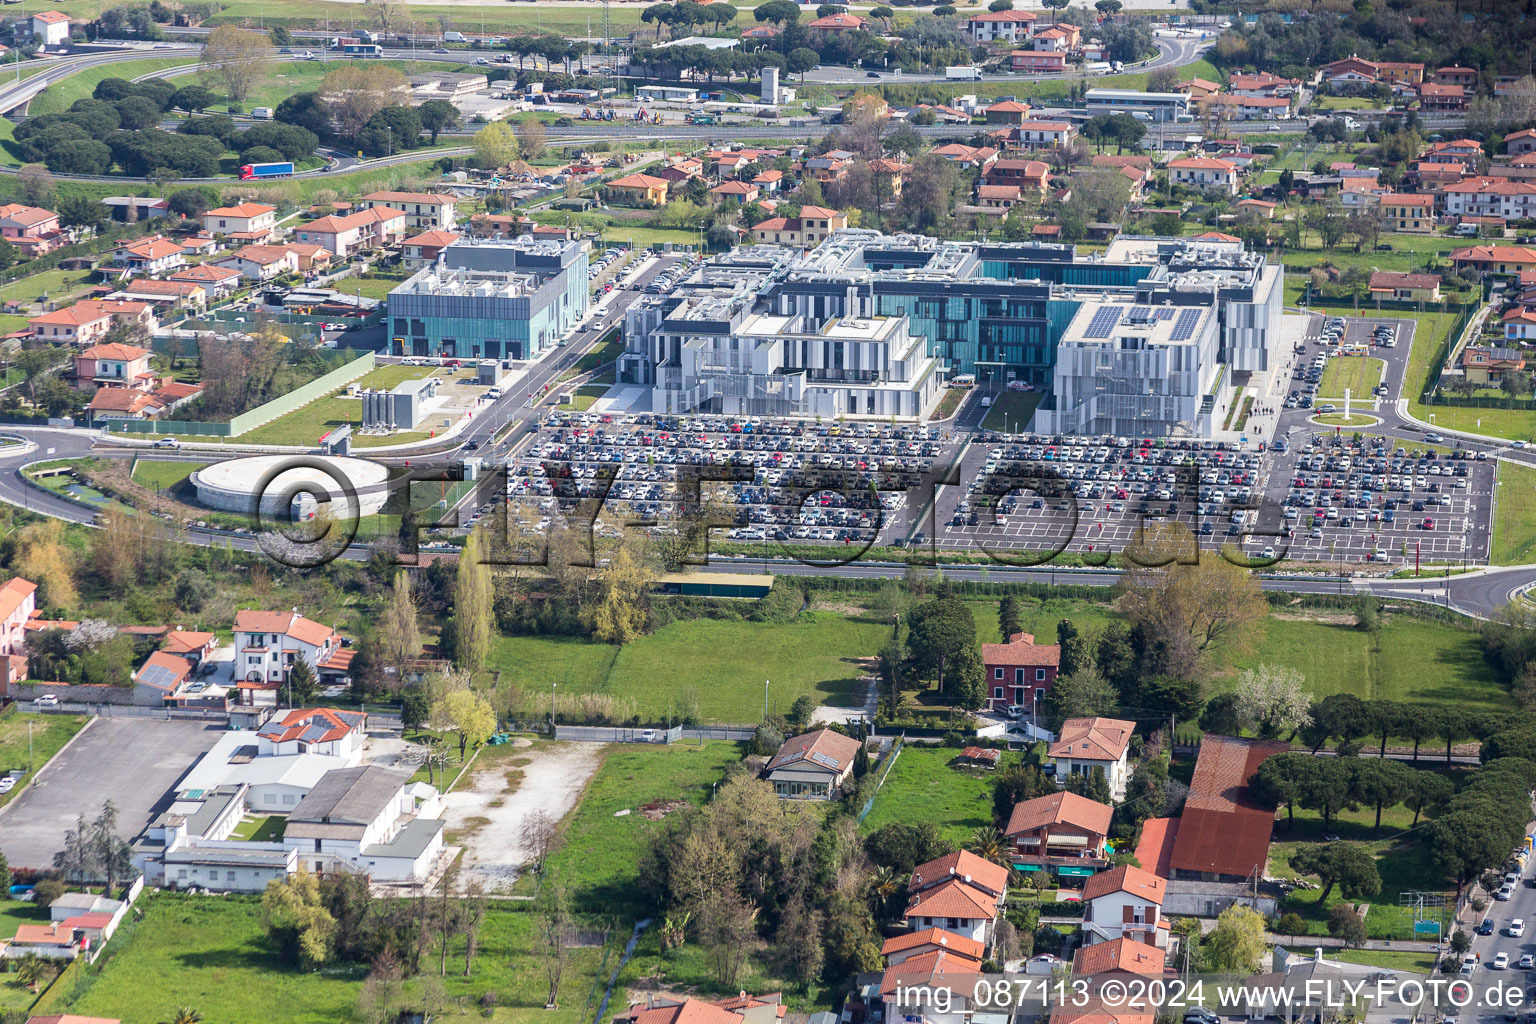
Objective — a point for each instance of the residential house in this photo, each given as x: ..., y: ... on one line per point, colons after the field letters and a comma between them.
x: 1515, y: 143
x: 261, y: 262
x: 834, y: 24
x: 1086, y: 744
x: 32, y: 230
x: 966, y: 156
x: 1442, y: 99
x: 954, y: 905
x: 369, y: 820
x: 132, y: 403
x: 18, y: 600
x: 421, y: 209
x: 1125, y: 903
x: 1405, y: 287
x: 1260, y: 207
x: 1118, y: 958
x: 1407, y: 212
x: 219, y: 282
x: 1453, y: 151
x: 1199, y: 88
x: 889, y: 176
x: 423, y: 248
x: 1020, y: 671
x: 89, y: 319
x: 268, y: 643
x: 1055, y: 40
x: 310, y: 257
x: 1464, y: 77
x: 1496, y: 259
x: 1033, y: 176
x: 914, y: 989
x: 901, y: 948
x: 153, y: 255
x: 50, y: 28
x: 366, y: 229
x: 114, y: 365
x: 1035, y: 62
x: 1490, y: 197
x: 830, y: 166
x: 1399, y: 72
x: 1223, y: 833
x: 1008, y: 112
x: 171, y: 294
x: 1042, y: 134
x: 809, y: 229
x: 739, y: 192
x: 812, y: 766
x: 1350, y: 70
x: 1000, y: 26
x: 1062, y: 833
x: 1203, y: 172
x: 159, y: 679
x: 325, y: 731
x: 962, y: 866
x: 640, y: 189
x: 194, y: 645
x: 247, y: 222
x: 1262, y: 84
x: 1249, y: 108
x: 770, y: 180
x: 1486, y: 366
x: 737, y: 1009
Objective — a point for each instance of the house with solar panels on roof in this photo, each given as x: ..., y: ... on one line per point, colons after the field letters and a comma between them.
x: 812, y: 766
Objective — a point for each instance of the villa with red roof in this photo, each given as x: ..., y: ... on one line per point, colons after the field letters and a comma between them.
x: 1119, y: 957
x: 314, y: 731
x: 219, y: 282
x: 1521, y: 142
x: 1223, y: 833
x: 423, y: 248
x: 812, y: 766
x: 32, y: 230
x: 89, y: 319
x: 50, y: 28
x: 1089, y: 743
x: 268, y: 643
x: 114, y: 365
x: 1061, y: 832
x: 247, y: 222
x: 832, y: 24
x: 1020, y: 671
x: 153, y: 255
x: 738, y: 1009
x: 421, y: 209
x: 1000, y: 26
x: 1125, y: 903
x: 1204, y: 172
x: 365, y: 229
x: 811, y: 228
x: 931, y: 940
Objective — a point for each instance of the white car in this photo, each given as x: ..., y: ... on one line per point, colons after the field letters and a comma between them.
x: 1500, y: 962
x: 47, y: 700
x: 7, y: 784
x: 1517, y: 928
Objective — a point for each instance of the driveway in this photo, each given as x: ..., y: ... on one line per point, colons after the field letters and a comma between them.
x: 131, y: 761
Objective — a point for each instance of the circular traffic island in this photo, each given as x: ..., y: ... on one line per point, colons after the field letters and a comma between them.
x: 1353, y: 421
x: 294, y: 483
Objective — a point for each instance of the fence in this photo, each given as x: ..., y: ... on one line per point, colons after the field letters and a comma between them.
x: 885, y: 769
x: 265, y: 413
x: 643, y: 734
x: 1443, y: 354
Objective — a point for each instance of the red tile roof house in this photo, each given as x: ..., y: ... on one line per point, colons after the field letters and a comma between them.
x: 912, y: 989
x: 220, y: 282
x: 738, y: 192
x: 18, y: 600
x: 1004, y: 26
x: 421, y: 209
x: 114, y: 365
x: 165, y: 293
x: 423, y: 248
x: 154, y: 255
x: 1063, y: 832
x: 1223, y: 833
x: 1019, y: 671
x: 931, y: 940
x: 156, y: 682
x: 268, y: 643
x: 835, y: 23
x: 1125, y: 903
x: 89, y: 319
x: 1204, y: 172
x: 1088, y: 743
x: 315, y: 731
x: 812, y: 766
x: 1117, y: 958
x: 959, y: 893
x: 247, y: 222
x: 34, y: 231
x: 1043, y: 61
x: 366, y: 229
x: 1516, y: 143
x: 737, y: 1009
x: 261, y: 262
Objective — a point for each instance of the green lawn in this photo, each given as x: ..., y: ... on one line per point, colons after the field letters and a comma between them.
x: 308, y: 424
x: 261, y: 829
x: 212, y: 953
x: 55, y: 285
x: 1360, y: 374
x: 1387, y: 959
x: 41, y: 735
x: 1011, y: 411
x: 600, y: 848
x: 924, y: 786
x: 716, y: 667
x: 1515, y: 424
x: 1345, y: 103
x: 369, y: 287
x: 57, y: 98
x: 585, y: 395
x: 14, y: 996
x: 1514, y: 521
x: 164, y: 476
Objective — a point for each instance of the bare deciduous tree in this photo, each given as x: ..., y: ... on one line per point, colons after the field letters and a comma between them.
x: 236, y: 58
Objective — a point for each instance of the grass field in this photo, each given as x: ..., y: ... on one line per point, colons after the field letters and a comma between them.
x: 1387, y: 959
x: 55, y: 285
x: 212, y: 953
x: 1360, y: 374
x: 1011, y: 411
x: 42, y: 735
x: 1514, y: 521
x: 307, y: 425
x: 1428, y: 340
x: 716, y: 667
x: 600, y: 849
x: 57, y: 98
x: 924, y: 786
x: 14, y: 996
x: 163, y: 476
x: 267, y: 829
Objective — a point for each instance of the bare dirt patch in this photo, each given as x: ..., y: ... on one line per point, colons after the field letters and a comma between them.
x: 660, y: 809
x: 486, y: 811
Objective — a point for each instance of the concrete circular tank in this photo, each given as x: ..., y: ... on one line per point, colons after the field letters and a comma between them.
x: 230, y: 485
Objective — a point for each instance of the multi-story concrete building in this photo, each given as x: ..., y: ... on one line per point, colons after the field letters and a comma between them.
x: 491, y: 298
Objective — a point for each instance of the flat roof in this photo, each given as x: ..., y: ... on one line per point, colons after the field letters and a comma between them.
x: 1106, y: 322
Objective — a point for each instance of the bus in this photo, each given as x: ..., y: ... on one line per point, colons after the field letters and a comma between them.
x: 964, y: 381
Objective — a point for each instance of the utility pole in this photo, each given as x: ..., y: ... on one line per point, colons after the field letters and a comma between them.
x: 765, y: 700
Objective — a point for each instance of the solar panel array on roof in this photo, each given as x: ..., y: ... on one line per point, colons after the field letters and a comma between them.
x: 826, y: 759
x: 1139, y: 314
x: 157, y: 676
x: 1166, y: 312
x: 1103, y: 322
x: 1184, y: 326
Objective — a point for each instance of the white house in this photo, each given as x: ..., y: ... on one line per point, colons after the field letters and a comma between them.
x: 959, y: 893
x: 421, y: 209
x: 1204, y: 172
x: 367, y: 819
x: 314, y: 731
x: 1088, y: 743
x: 250, y: 222
x: 267, y: 644
x: 1125, y: 903
x: 51, y: 28
x: 1000, y: 26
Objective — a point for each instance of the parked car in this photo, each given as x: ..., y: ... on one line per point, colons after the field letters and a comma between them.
x: 47, y: 700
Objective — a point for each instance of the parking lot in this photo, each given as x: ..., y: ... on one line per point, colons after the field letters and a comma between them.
x: 131, y: 761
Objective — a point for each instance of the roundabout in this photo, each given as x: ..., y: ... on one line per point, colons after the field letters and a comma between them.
x: 352, y: 487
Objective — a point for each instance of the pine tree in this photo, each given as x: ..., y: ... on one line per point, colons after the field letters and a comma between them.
x: 302, y: 688
x: 1008, y: 622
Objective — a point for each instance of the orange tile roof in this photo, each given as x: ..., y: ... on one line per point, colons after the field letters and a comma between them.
x: 205, y: 273
x: 1201, y: 163
x: 244, y: 210
x: 1155, y: 846
x: 957, y: 944
x: 1060, y: 809
x: 289, y: 623
x: 953, y: 899
x: 1093, y: 739
x: 84, y: 312
x: 938, y: 969
x: 1223, y: 829
x: 1128, y: 879
x: 638, y: 181
x: 822, y: 747
x: 1022, y: 651
x: 1126, y: 955
x: 330, y: 723
x: 438, y: 238
x: 115, y: 350
x: 152, y: 248
x: 185, y: 641
x: 26, y: 215
x: 13, y: 594
x: 50, y: 17
x: 963, y: 865
x: 423, y: 198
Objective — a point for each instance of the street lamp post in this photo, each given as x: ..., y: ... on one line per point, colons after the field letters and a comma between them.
x: 552, y: 707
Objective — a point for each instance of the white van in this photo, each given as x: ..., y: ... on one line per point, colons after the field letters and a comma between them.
x: 494, y: 393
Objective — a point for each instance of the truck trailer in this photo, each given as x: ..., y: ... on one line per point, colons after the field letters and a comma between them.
x: 255, y: 172
x: 963, y: 74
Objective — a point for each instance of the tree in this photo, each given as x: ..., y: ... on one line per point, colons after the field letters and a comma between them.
x: 307, y: 110
x: 495, y: 145
x: 296, y: 919
x: 727, y: 930
x: 1292, y: 924
x: 1380, y: 783
x: 302, y: 686
x: 436, y: 115
x: 1345, y: 923
x: 800, y: 60
x: 1236, y: 944
x: 1426, y: 790
x: 468, y: 715
x: 82, y: 156
x: 538, y: 836
x: 1083, y: 694
x: 43, y: 557
x: 618, y: 616
x: 398, y: 625
x: 1109, y: 8
x: 1272, y: 700
x: 37, y: 185
x: 1015, y: 784
x: 356, y: 92
x: 472, y: 607
x: 1279, y: 781
x: 989, y: 844
x: 1347, y: 865
x: 1202, y: 604
x: 780, y: 12
x: 1164, y: 79
x: 942, y: 640
x: 415, y: 707
x: 237, y: 58
x: 1008, y: 620
x: 1326, y: 787
x: 186, y: 1015
x: 530, y: 138
x: 555, y: 929
x: 901, y: 846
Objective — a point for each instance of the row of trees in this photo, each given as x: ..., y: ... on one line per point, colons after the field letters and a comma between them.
x: 1331, y: 784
